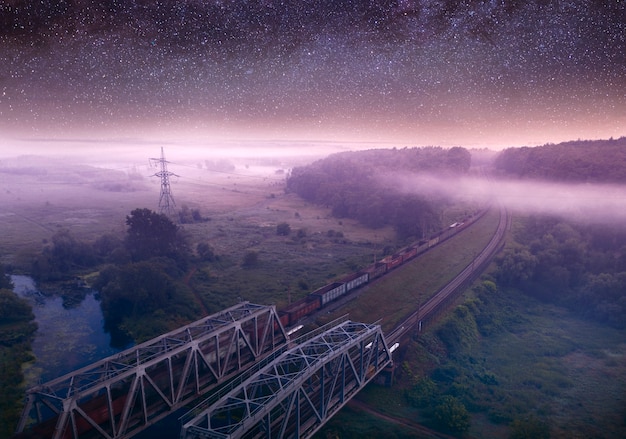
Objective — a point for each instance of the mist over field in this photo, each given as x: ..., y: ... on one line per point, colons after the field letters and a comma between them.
x: 133, y: 150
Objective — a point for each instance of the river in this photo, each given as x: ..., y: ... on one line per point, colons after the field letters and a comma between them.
x: 67, y: 338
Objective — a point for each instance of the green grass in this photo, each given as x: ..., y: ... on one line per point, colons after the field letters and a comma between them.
x: 554, y: 366
x: 354, y: 423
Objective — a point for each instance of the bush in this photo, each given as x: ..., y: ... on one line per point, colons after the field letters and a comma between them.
x: 530, y: 428
x: 423, y: 393
x: 283, y: 229
x: 452, y: 415
x: 251, y: 259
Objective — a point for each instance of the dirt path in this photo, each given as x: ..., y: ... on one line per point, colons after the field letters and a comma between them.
x: 424, y: 432
x: 195, y: 293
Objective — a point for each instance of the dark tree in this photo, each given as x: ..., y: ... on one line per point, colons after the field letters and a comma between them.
x: 205, y: 252
x: 59, y: 260
x: 250, y: 259
x: 5, y: 280
x: 151, y: 234
x: 459, y: 159
x: 283, y: 229
x: 136, y: 289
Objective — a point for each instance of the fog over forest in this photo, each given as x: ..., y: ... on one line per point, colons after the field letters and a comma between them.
x: 580, y: 202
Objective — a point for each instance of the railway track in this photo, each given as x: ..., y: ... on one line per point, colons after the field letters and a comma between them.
x: 426, y: 311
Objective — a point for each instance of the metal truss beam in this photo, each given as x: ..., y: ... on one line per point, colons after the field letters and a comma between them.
x: 293, y: 396
x: 121, y: 395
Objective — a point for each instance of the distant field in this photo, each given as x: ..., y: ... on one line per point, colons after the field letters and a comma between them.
x: 38, y: 198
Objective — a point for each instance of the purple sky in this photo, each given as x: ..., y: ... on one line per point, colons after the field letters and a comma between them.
x: 390, y: 73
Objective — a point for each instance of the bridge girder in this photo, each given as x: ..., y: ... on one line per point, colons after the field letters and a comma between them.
x: 293, y: 396
x: 121, y: 395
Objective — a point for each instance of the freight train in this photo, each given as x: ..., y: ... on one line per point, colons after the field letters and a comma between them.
x: 318, y: 299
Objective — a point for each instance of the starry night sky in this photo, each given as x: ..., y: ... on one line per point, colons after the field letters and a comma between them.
x: 404, y: 72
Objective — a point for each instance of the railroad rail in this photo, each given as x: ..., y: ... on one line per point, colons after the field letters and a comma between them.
x: 429, y: 309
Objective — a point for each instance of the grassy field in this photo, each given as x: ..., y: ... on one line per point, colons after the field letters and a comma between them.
x: 39, y: 198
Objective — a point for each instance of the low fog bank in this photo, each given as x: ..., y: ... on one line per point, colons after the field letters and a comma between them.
x: 131, y: 150
x: 583, y: 202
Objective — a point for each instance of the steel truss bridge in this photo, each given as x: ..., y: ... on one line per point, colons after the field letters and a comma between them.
x: 121, y: 395
x: 294, y: 395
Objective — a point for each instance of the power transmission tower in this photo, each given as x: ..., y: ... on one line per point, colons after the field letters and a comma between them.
x: 166, y: 201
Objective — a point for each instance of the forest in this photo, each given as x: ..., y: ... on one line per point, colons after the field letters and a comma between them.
x: 578, y: 266
x: 350, y: 183
x: 570, y: 263
x: 592, y: 161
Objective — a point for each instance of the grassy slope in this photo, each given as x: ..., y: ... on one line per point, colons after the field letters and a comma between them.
x: 555, y: 366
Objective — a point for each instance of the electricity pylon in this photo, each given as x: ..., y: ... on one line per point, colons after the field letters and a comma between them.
x: 166, y: 201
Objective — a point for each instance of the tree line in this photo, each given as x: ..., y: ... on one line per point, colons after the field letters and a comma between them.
x: 598, y: 161
x: 579, y: 266
x: 350, y: 185
x: 17, y: 328
x: 140, y: 275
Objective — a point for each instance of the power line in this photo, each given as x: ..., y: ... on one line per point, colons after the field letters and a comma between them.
x: 166, y: 200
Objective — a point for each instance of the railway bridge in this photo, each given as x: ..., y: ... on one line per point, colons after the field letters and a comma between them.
x: 294, y: 395
x: 261, y: 384
x: 121, y: 395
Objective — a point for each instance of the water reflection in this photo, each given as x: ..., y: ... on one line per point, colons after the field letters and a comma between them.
x: 69, y: 337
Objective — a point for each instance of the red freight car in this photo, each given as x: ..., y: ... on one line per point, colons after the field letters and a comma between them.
x: 283, y: 316
x: 408, y: 253
x: 302, y: 308
x: 330, y: 292
x: 392, y: 261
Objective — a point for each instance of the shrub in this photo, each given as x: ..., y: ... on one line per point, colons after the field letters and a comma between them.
x: 250, y: 259
x: 452, y: 415
x: 283, y: 229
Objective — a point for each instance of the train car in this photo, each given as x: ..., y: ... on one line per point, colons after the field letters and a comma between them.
x: 433, y: 241
x: 392, y: 261
x: 330, y: 292
x: 302, y: 308
x: 408, y: 253
x: 283, y: 316
x: 355, y: 280
x: 376, y: 270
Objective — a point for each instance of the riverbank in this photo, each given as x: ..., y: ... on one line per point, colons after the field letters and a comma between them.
x: 69, y: 336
